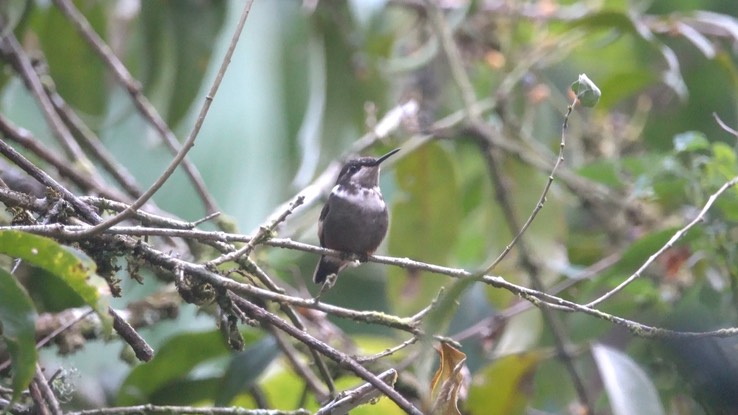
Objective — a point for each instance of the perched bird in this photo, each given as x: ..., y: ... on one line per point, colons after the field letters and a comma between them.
x: 354, y: 219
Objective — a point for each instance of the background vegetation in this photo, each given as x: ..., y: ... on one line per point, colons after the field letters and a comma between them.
x: 475, y: 93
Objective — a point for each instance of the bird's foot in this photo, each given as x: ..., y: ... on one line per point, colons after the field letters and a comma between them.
x: 329, y: 282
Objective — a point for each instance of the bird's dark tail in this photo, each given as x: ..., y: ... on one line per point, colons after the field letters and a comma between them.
x: 326, y: 266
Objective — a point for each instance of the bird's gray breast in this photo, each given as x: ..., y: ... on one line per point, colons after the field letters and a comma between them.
x: 356, y: 221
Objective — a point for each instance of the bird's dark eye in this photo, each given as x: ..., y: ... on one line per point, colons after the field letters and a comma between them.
x: 353, y: 169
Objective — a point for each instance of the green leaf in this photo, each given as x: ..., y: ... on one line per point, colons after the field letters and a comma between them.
x: 521, y: 333
x: 438, y: 319
x: 62, y: 46
x: 724, y: 164
x: 18, y: 329
x: 625, y: 84
x: 608, y: 19
x: 283, y: 386
x: 503, y: 387
x: 690, y: 141
x: 179, y: 44
x: 11, y: 13
x: 174, y: 363
x: 245, y: 368
x: 426, y: 215
x: 70, y: 266
x: 187, y: 391
x: 628, y: 387
x: 604, y: 171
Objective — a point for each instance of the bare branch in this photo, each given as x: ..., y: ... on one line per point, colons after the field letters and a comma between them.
x: 463, y: 83
x: 9, y: 46
x: 70, y: 11
x: 263, y: 232
x: 541, y: 199
x: 724, y: 126
x: 52, y: 404
x: 342, y: 359
x: 65, y: 169
x: 358, y: 396
x: 670, y: 243
x: 191, y: 410
x: 141, y: 102
x: 537, y: 298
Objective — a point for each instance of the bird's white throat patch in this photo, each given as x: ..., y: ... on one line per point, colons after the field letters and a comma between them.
x: 370, y: 197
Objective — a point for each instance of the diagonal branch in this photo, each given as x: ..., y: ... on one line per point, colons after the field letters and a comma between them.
x: 262, y: 234
x: 670, y: 243
x: 463, y: 83
x: 341, y: 358
x: 12, y: 49
x: 146, y: 108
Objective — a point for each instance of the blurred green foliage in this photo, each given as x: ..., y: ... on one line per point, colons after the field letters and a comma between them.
x: 305, y: 83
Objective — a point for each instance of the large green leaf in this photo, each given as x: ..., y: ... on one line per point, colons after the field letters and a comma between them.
x: 502, y: 388
x: 627, y: 22
x: 187, y: 391
x: 426, y: 216
x: 173, y: 364
x: 628, y: 387
x: 78, y: 73
x: 17, y: 328
x: 245, y: 368
x: 179, y: 40
x: 70, y: 266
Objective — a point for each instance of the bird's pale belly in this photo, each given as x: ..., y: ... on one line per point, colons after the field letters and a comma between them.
x: 355, y: 226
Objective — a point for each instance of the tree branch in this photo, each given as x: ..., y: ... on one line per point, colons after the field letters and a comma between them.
x: 144, y: 106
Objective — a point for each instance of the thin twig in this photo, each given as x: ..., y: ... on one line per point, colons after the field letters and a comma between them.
x: 64, y: 167
x: 297, y: 364
x: 9, y: 44
x: 537, y: 298
x: 92, y: 144
x: 342, y: 359
x: 387, y: 352
x: 140, y: 215
x: 48, y: 395
x: 724, y: 126
x: 670, y: 243
x: 464, y: 85
x: 133, y: 87
x: 204, y: 219
x: 64, y: 327
x: 541, y: 199
x: 263, y: 232
x: 71, y: 12
x: 191, y: 410
x: 522, y: 306
x: 42, y: 177
x: 143, y: 351
x: 360, y: 395
x: 532, y: 269
x: 37, y: 397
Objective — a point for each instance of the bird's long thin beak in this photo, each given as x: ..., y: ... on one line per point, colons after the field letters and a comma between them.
x: 385, y: 157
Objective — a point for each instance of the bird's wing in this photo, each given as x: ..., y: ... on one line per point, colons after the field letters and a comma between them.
x: 323, y: 214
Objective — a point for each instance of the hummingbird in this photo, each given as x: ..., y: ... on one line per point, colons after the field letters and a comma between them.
x: 354, y: 219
